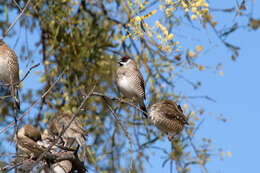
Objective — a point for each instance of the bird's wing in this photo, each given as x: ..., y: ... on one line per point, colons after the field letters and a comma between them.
x: 14, y: 62
x: 142, y: 84
x: 137, y: 78
x: 76, y: 126
x: 30, y: 145
x: 173, y: 113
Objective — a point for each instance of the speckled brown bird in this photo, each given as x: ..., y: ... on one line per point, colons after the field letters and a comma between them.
x: 9, y: 69
x: 168, y: 117
x: 130, y: 81
x: 74, y: 132
x: 26, y: 140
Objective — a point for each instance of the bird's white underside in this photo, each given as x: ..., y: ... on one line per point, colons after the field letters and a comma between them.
x: 126, y: 87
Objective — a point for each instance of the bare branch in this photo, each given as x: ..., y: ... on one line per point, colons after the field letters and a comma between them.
x: 124, y: 129
x: 36, y: 102
x: 119, y: 100
x: 27, y: 73
x: 16, y: 20
x: 18, y: 6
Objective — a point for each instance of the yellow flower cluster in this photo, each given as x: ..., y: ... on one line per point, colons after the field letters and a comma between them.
x: 198, y: 8
x: 166, y: 35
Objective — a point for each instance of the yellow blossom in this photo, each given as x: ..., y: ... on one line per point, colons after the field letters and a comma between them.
x: 185, y: 107
x: 194, y: 9
x: 199, y: 48
x: 201, y: 68
x: 229, y: 154
x: 190, y: 54
x: 170, y: 37
x: 167, y: 47
x: 168, y: 1
x: 206, y: 5
x: 138, y: 19
x: 165, y: 32
x: 141, y: 6
x: 157, y: 24
x: 168, y: 12
x: 149, y: 34
x: 200, y: 3
x: 193, y: 17
x: 214, y: 23
x: 184, y: 4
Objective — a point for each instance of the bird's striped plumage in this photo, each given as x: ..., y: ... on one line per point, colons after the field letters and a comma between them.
x: 74, y: 132
x: 27, y: 139
x: 9, y: 69
x: 168, y: 117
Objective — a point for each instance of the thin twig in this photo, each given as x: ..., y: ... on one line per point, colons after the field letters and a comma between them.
x: 27, y: 73
x: 16, y: 20
x: 120, y: 100
x: 196, y: 152
x: 124, y: 129
x: 36, y: 102
x: 199, y: 97
x: 5, y: 97
x: 18, y: 6
x: 119, y: 121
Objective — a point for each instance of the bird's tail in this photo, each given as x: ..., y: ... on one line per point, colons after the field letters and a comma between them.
x: 14, y: 93
x: 82, y: 142
x: 143, y: 108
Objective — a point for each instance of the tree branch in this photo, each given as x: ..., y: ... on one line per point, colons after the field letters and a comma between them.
x: 36, y: 102
x: 27, y: 73
x: 16, y: 20
x: 119, y: 100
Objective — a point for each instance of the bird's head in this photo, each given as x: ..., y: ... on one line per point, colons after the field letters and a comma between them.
x: 30, y: 131
x: 126, y: 61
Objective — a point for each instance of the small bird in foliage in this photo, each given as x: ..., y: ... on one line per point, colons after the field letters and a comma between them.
x: 74, y: 132
x: 168, y: 117
x: 130, y: 82
x: 26, y: 140
x: 9, y: 70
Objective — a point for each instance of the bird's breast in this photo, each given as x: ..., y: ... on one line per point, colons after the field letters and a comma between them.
x: 126, y: 87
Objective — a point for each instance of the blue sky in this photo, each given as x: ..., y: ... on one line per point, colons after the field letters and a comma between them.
x: 236, y: 94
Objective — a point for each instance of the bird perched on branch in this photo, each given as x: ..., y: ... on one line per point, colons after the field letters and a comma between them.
x: 9, y: 70
x: 130, y: 82
x: 168, y: 117
x: 26, y: 140
x: 74, y: 132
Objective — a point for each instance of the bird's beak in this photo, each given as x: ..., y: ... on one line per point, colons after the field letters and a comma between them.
x: 118, y: 62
